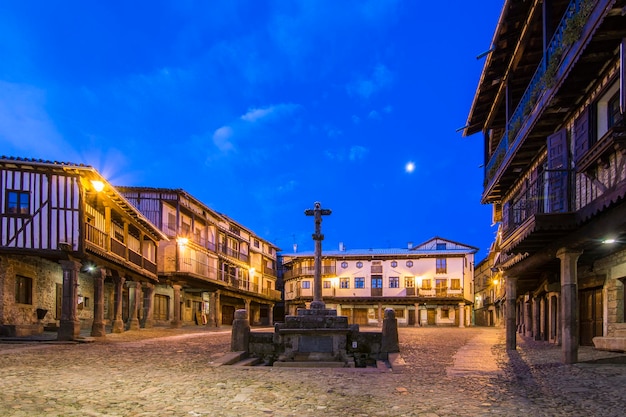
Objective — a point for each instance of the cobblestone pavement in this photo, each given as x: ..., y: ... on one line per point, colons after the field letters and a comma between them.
x: 168, y: 372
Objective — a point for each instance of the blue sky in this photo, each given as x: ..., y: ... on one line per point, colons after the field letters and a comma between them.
x: 260, y: 108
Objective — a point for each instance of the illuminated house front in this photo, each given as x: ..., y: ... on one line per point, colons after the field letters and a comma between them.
x: 429, y: 284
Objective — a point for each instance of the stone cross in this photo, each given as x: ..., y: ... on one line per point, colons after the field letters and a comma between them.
x: 317, y: 213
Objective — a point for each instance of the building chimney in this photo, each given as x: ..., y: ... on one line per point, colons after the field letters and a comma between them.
x: 410, y: 245
x: 295, y: 247
x: 341, y: 247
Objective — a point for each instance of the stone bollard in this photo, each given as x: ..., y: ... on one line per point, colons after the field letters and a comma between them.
x: 240, y: 336
x: 389, y: 343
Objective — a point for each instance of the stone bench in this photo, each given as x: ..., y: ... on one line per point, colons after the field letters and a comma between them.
x: 613, y: 344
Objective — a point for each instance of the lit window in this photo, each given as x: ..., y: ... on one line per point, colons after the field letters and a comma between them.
x: 455, y: 284
x: 326, y: 283
x: 344, y: 282
x: 409, y: 282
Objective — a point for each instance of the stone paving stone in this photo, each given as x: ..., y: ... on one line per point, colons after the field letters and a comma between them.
x: 167, y: 372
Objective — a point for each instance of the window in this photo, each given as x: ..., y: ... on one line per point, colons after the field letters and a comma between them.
x: 344, y: 265
x: 23, y: 290
x: 359, y: 282
x: 409, y: 264
x: 427, y: 284
x: 394, y: 264
x: 409, y: 282
x: 441, y: 284
x: 326, y: 283
x: 441, y: 246
x: 441, y: 266
x: 306, y: 285
x: 344, y: 282
x: 399, y: 313
x: 394, y: 282
x: 455, y: 284
x: 614, y: 115
x: 359, y: 264
x: 257, y: 244
x: 18, y: 202
x: 445, y: 313
x: 377, y: 281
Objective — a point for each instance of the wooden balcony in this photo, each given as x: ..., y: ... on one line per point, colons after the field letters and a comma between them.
x: 231, y: 253
x: 309, y: 271
x: 97, y: 239
x: 598, y: 155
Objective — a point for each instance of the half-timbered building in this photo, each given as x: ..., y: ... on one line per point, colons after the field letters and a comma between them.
x: 211, y: 264
x: 550, y: 104
x: 427, y: 284
x: 74, y: 253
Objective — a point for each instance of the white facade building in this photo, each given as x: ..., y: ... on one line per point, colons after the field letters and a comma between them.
x: 429, y: 284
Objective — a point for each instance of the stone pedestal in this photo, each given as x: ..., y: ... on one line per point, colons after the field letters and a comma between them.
x: 316, y: 335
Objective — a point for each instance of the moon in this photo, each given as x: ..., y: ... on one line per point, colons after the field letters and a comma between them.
x: 409, y: 167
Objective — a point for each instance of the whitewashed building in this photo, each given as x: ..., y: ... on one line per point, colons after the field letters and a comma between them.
x: 427, y: 284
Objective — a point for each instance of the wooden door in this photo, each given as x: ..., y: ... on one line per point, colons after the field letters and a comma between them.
x: 360, y: 316
x: 558, y: 170
x: 431, y: 314
x: 590, y: 315
x: 228, y: 315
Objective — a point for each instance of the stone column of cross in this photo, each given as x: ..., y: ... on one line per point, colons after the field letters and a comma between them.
x: 317, y: 213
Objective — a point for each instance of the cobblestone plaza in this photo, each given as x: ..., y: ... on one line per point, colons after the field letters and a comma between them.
x: 172, y: 372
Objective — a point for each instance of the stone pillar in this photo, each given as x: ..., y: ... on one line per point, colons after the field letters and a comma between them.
x: 248, y: 304
x: 118, y: 323
x: 569, y: 310
x: 511, y: 295
x: 423, y: 316
x: 212, y: 313
x: 417, y: 314
x: 70, y: 325
x: 461, y: 315
x: 380, y: 314
x: 389, y: 342
x: 240, y: 334
x: 176, y: 322
x: 148, y: 306
x: 537, y: 318
x: 134, y: 295
x: 97, y: 328
x: 528, y: 321
x: 270, y: 314
x: 218, y: 309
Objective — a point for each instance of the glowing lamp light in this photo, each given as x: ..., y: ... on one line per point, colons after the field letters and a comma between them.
x: 252, y: 271
x: 495, y: 282
x: 608, y: 241
x: 182, y: 241
x: 97, y: 185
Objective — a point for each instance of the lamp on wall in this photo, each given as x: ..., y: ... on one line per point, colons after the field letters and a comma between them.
x: 97, y: 185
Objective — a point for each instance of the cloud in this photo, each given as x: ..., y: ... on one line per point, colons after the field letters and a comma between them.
x: 365, y: 87
x: 26, y: 127
x: 270, y: 112
x: 222, y: 139
x: 357, y: 153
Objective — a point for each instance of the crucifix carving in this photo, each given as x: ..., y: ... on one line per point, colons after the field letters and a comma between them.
x: 317, y: 214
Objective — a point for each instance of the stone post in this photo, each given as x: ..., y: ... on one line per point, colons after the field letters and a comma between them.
x: 248, y: 304
x: 318, y: 212
x: 148, y: 306
x: 528, y: 321
x: 118, y: 323
x: 97, y: 328
x: 240, y: 335
x: 134, y: 295
x: 176, y: 322
x: 511, y: 331
x: 461, y: 315
x: 569, y: 309
x: 70, y: 325
x: 380, y: 313
x: 389, y: 343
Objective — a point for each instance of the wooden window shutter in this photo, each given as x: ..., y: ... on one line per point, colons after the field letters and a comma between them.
x: 558, y: 172
x: 581, y: 135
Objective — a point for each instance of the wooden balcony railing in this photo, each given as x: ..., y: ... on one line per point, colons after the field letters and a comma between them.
x: 233, y: 253
x: 540, y: 82
x: 99, y: 238
x: 308, y: 271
